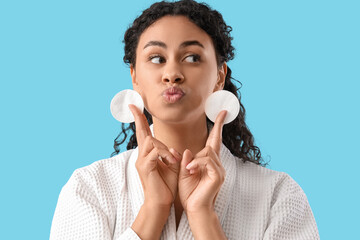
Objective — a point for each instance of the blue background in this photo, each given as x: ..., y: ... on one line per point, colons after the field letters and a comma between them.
x: 61, y: 64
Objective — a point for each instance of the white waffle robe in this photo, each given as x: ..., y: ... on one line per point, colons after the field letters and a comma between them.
x: 102, y: 200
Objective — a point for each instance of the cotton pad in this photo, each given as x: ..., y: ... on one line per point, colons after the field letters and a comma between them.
x: 222, y: 100
x: 119, y: 105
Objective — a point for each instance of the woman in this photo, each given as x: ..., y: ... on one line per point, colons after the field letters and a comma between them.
x: 182, y: 176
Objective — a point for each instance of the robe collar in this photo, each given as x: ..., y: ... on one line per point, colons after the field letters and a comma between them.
x: 136, y: 194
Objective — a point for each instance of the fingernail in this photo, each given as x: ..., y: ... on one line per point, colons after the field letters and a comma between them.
x: 189, y: 166
x: 171, y: 159
x: 176, y: 152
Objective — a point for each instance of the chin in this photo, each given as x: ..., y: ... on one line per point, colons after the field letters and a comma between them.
x: 171, y: 118
x: 179, y: 117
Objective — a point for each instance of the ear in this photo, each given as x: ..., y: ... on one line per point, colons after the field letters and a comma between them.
x: 133, y: 77
x: 221, y: 77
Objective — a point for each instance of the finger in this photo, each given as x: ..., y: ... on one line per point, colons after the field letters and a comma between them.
x: 164, y: 155
x: 165, y: 165
x: 150, y: 162
x: 151, y: 143
x: 159, y: 144
x: 186, y: 159
x: 176, y: 154
x: 209, y: 152
x: 215, y: 137
x: 141, y: 125
x: 199, y: 164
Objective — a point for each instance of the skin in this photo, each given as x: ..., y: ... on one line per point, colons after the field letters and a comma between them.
x: 189, y: 173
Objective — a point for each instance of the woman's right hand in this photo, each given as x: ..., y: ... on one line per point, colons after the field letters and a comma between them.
x: 158, y: 166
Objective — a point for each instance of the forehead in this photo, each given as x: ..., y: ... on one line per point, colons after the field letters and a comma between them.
x: 173, y: 30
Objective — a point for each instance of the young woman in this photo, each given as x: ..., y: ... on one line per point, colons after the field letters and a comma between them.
x: 182, y: 177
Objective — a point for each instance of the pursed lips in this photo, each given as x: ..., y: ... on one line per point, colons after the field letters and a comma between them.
x: 173, y: 94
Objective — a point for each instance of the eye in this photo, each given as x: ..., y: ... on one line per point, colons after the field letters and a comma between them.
x: 157, y: 59
x: 193, y: 58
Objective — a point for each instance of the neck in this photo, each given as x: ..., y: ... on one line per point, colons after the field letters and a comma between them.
x: 190, y: 136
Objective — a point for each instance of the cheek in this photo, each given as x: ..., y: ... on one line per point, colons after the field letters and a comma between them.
x: 149, y: 91
x: 204, y: 80
x: 199, y: 94
x: 147, y: 80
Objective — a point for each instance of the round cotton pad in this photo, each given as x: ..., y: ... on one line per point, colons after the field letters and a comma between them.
x: 119, y: 105
x: 222, y: 100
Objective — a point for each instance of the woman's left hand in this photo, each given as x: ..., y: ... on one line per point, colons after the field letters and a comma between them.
x: 201, y: 176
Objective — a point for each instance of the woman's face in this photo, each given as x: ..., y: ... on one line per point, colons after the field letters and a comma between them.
x: 176, y: 70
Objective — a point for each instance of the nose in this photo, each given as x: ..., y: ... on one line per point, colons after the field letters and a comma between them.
x: 172, y: 73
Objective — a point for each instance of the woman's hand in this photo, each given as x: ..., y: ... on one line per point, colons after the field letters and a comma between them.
x: 158, y: 166
x: 201, y: 176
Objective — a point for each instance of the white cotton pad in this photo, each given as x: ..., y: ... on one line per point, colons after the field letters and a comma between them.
x: 222, y: 100
x: 119, y: 105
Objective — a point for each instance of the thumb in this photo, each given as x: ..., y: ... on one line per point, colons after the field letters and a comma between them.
x: 186, y: 159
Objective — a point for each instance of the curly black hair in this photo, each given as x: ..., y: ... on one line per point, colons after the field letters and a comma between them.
x: 236, y: 135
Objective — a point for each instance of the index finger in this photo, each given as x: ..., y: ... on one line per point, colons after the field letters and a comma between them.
x: 215, y: 137
x: 141, y: 124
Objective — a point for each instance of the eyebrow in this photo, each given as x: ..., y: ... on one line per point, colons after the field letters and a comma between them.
x: 155, y: 43
x: 182, y: 45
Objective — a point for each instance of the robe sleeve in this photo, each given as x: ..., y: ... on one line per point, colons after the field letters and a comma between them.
x: 78, y: 215
x: 291, y: 216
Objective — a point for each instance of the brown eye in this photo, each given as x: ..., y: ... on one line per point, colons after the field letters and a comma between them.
x: 157, y: 59
x: 192, y: 58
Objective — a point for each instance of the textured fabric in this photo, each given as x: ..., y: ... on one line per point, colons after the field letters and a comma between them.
x: 102, y: 200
